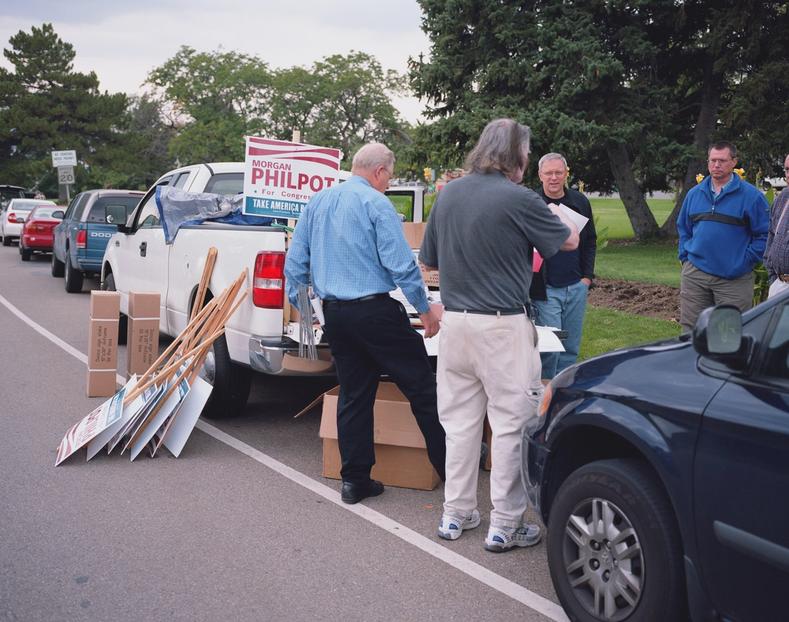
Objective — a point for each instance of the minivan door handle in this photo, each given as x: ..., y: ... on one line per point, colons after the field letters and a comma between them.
x: 143, y: 248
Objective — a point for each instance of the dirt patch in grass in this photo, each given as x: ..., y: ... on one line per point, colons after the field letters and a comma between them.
x: 659, y: 301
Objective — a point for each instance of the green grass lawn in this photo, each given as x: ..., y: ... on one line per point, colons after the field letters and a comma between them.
x: 606, y: 330
x: 611, y: 218
x: 646, y: 262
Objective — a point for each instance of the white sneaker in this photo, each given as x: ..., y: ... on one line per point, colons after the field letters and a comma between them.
x: 501, y: 539
x: 452, y: 527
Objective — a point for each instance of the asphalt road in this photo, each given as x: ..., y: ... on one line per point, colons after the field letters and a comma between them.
x: 241, y: 527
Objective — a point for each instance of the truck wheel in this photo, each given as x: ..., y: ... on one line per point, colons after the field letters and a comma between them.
x: 6, y: 241
x: 25, y: 253
x: 231, y: 383
x: 614, y: 547
x: 123, y: 320
x: 73, y: 277
x: 56, y: 266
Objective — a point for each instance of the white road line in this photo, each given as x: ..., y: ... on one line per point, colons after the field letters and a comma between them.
x: 501, y: 584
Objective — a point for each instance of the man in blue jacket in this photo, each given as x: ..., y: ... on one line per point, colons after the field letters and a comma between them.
x: 723, y: 227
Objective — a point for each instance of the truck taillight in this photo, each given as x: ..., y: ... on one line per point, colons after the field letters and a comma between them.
x: 82, y: 238
x: 11, y: 217
x: 268, y: 286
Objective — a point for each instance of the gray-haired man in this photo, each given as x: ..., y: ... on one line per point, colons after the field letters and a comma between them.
x: 480, y: 236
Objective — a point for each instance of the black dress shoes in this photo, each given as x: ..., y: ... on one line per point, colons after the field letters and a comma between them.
x: 353, y: 493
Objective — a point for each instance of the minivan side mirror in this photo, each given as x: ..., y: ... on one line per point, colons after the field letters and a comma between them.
x: 718, y: 336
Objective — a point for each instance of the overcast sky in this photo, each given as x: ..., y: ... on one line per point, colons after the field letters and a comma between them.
x: 123, y: 40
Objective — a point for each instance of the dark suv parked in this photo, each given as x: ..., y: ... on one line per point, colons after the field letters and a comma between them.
x: 91, y: 219
x: 662, y: 473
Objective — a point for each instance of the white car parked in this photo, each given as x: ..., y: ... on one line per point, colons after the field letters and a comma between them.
x: 14, y: 215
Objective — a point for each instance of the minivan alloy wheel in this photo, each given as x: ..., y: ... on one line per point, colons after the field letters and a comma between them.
x: 603, y: 558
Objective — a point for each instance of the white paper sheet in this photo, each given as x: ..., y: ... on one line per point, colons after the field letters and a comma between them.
x: 167, y: 409
x: 187, y: 416
x: 579, y: 220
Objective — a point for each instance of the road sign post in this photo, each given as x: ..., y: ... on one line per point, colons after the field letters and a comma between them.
x: 65, y: 161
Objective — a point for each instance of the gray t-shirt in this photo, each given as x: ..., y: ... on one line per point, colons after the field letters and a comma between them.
x: 480, y: 236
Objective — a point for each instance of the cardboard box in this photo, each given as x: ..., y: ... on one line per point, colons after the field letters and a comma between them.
x: 144, y: 305
x: 414, y: 233
x: 400, y: 453
x: 105, y: 305
x: 142, y: 344
x: 101, y: 383
x: 103, y: 344
x: 430, y: 277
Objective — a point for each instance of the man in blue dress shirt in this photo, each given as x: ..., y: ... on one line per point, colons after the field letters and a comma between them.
x: 349, y: 245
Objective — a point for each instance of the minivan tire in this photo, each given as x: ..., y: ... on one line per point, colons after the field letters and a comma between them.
x: 74, y: 278
x: 627, y: 491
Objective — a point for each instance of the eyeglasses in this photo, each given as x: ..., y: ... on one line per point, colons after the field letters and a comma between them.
x: 554, y: 173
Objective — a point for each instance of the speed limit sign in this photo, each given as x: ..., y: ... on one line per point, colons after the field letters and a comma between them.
x: 65, y: 175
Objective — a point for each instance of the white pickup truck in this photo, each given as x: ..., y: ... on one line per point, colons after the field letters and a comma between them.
x: 256, y: 337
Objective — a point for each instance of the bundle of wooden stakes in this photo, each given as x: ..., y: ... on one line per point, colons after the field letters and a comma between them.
x: 147, y: 409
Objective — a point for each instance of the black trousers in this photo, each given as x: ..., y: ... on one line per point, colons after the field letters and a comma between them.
x: 368, y: 339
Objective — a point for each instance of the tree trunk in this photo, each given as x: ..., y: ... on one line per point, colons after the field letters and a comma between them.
x: 705, y: 125
x: 643, y: 222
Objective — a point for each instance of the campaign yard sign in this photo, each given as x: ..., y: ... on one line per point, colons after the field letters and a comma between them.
x: 280, y: 177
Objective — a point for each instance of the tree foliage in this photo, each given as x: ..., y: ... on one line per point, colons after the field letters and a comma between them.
x: 45, y: 105
x: 216, y: 98
x: 631, y: 91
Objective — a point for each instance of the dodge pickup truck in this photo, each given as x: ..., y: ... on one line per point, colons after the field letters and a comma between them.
x: 258, y: 338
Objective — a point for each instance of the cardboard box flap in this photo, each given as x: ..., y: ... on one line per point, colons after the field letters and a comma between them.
x: 414, y: 233
x: 104, y: 305
x: 143, y: 304
x: 394, y: 423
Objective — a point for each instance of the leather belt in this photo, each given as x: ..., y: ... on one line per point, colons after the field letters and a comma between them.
x: 514, y: 311
x: 352, y: 301
x: 784, y: 278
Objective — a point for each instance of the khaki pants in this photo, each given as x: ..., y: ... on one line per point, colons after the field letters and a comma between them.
x: 487, y: 363
x: 699, y: 290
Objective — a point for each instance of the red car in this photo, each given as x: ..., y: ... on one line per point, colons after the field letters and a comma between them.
x: 37, y: 232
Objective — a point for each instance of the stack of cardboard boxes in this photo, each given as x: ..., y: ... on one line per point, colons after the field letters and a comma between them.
x: 142, y: 342
x: 142, y: 338
x: 103, y: 343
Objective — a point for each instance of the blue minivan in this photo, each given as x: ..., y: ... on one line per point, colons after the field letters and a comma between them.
x: 662, y: 474
x: 91, y: 219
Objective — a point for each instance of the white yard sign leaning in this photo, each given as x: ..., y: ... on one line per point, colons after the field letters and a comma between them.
x: 280, y: 177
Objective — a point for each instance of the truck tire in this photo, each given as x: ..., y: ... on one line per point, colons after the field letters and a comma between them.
x: 613, y: 541
x: 123, y: 320
x: 6, y: 241
x: 231, y: 383
x: 56, y: 266
x: 73, y: 277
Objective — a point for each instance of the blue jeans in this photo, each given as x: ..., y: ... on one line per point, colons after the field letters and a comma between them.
x: 564, y: 308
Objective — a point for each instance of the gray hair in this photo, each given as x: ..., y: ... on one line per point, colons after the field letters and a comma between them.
x: 552, y: 156
x: 503, y: 146
x: 371, y: 156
